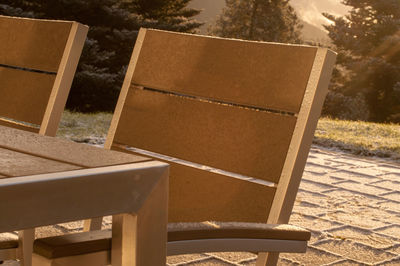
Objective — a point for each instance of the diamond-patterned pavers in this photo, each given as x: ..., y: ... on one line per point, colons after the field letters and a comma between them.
x: 350, y: 204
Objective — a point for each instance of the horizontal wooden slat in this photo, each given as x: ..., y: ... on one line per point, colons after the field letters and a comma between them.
x: 73, y: 244
x: 63, y: 150
x: 250, y: 73
x: 17, y: 164
x: 18, y: 125
x: 34, y: 44
x: 239, y: 140
x: 24, y: 95
x: 196, y: 195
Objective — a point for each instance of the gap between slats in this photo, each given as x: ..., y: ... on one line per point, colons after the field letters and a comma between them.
x: 210, y: 100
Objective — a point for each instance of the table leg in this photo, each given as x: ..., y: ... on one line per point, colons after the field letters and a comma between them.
x: 140, y: 239
x: 25, y: 246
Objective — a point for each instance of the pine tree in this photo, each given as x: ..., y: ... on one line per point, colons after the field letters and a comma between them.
x: 113, y: 27
x: 261, y: 20
x: 367, y: 40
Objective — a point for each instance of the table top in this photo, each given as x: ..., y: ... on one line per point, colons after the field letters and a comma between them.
x: 46, y: 180
x: 24, y: 153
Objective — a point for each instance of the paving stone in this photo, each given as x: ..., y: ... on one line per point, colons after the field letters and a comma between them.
x: 321, y: 178
x: 318, y: 160
x: 347, y: 199
x: 361, y: 188
x: 355, y: 218
x: 390, y: 168
x: 209, y: 262
x: 355, y: 251
x: 395, y: 249
x: 392, y: 177
x: 309, y: 209
x: 8, y: 236
x: 346, y: 262
x: 314, y: 186
x: 172, y: 260
x: 395, y: 261
x: 373, y: 170
x: 313, y: 198
x: 233, y: 256
x: 312, y: 257
x: 392, y: 196
x: 349, y: 175
x: 390, y: 206
x: 363, y: 236
x: 47, y: 231
x: 317, y: 169
x: 387, y: 184
x: 281, y: 262
x: 73, y: 226
x: 312, y: 223
x: 391, y: 230
x: 353, y: 161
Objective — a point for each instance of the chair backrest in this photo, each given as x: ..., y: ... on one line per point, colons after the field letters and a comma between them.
x: 38, y: 59
x: 242, y: 107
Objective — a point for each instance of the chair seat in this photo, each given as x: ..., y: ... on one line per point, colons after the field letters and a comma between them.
x: 213, y: 230
x: 97, y: 241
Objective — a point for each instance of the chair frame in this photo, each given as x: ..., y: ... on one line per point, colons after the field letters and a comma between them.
x: 51, y: 118
x: 290, y: 177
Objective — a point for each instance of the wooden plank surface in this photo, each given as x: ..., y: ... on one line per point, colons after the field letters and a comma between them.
x: 24, y: 95
x: 33, y: 44
x: 240, y: 140
x: 31, y: 201
x: 197, y: 195
x: 251, y: 73
x: 62, y: 150
x: 18, y: 164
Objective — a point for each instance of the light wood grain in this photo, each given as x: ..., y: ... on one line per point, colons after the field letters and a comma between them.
x: 38, y: 200
x: 292, y: 172
x: 63, y: 81
x: 197, y: 195
x: 250, y: 73
x: 17, y: 164
x: 240, y: 140
x: 24, y: 95
x: 61, y: 150
x: 35, y: 44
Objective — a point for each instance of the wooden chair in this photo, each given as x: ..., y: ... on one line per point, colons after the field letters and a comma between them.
x: 235, y: 120
x: 38, y: 59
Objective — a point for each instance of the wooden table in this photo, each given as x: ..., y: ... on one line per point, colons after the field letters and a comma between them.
x: 45, y: 180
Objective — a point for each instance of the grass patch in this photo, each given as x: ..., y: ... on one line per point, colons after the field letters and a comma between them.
x: 360, y: 138
x: 89, y: 128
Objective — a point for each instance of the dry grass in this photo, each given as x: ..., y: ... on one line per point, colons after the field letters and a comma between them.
x: 88, y: 128
x: 361, y: 138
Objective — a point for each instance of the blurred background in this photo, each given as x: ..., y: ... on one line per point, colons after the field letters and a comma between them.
x: 366, y: 34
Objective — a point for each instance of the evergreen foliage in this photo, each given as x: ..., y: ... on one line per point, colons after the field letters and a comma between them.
x: 260, y: 20
x: 367, y: 86
x: 113, y: 27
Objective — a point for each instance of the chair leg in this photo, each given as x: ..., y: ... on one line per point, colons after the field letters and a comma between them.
x: 92, y: 224
x: 25, y: 246
x: 267, y: 259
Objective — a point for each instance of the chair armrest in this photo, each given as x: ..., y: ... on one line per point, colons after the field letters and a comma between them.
x: 185, y: 238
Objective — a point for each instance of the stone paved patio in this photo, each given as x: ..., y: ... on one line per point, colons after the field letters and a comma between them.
x: 350, y: 204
